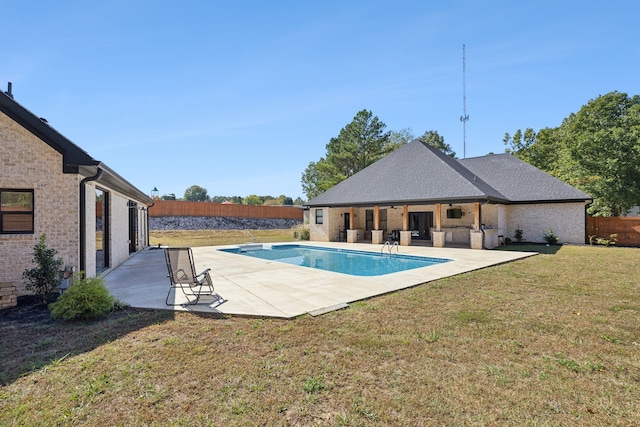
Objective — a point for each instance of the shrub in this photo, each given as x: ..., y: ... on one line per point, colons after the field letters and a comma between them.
x: 302, y: 233
x: 507, y: 241
x: 86, y: 298
x: 44, y: 279
x: 613, y: 238
x: 518, y: 234
x: 550, y: 238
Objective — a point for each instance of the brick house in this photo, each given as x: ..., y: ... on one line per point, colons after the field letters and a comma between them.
x: 92, y: 216
x: 418, y: 194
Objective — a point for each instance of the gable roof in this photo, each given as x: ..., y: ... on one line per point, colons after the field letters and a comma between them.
x: 74, y: 159
x: 521, y: 182
x: 417, y: 173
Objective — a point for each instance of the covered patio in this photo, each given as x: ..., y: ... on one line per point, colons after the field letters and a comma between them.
x: 437, y: 225
x: 418, y: 194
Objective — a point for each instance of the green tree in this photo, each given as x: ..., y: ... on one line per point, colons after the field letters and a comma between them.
x: 359, y: 144
x: 195, y: 193
x: 596, y: 150
x: 44, y: 278
x: 604, y: 152
x: 252, y: 199
x: 401, y: 137
x: 298, y: 201
x: 432, y: 138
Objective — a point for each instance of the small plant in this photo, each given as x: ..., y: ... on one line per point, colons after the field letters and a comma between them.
x: 86, y: 298
x: 433, y: 337
x: 550, y: 238
x: 507, y: 240
x: 314, y: 384
x: 613, y: 238
x: 518, y: 234
x: 44, y: 279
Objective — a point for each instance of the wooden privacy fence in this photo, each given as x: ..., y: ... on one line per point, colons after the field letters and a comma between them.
x: 627, y: 228
x: 181, y: 208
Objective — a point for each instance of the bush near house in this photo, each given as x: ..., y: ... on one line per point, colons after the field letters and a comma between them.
x: 44, y: 279
x: 87, y: 298
x: 550, y: 237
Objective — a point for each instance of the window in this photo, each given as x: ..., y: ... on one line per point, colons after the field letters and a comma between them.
x: 319, y: 213
x: 16, y: 211
x: 369, y: 219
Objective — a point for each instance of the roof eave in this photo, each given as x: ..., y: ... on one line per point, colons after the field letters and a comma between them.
x: 113, y: 181
x: 397, y: 202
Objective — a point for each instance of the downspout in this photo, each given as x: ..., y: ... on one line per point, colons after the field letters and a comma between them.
x: 83, y: 219
x: 149, y: 206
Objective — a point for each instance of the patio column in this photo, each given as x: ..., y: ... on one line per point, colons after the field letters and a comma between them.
x: 476, y: 236
x: 376, y: 233
x: 352, y: 234
x: 476, y: 216
x: 405, y: 217
x: 376, y: 217
x: 438, y: 235
x: 351, y: 216
x: 405, y: 234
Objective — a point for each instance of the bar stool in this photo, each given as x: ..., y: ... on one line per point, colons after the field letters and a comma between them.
x: 501, y: 240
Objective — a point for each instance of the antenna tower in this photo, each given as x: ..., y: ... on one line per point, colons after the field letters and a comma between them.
x: 465, y: 117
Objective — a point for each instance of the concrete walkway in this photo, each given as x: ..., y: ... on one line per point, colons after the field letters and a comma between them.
x: 254, y: 287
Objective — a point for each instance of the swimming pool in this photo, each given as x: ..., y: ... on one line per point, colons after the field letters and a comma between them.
x: 346, y: 261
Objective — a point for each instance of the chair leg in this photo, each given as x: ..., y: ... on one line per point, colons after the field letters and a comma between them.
x: 189, y: 301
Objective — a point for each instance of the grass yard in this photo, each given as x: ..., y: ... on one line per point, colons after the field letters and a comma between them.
x: 548, y: 340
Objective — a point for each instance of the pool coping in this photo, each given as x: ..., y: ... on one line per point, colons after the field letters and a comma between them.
x: 250, y: 286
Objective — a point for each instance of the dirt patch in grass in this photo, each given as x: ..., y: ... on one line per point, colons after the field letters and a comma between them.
x: 547, y: 340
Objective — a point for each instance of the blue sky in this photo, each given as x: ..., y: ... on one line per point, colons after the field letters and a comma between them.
x: 239, y: 96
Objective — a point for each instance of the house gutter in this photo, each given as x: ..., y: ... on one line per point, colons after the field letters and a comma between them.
x: 83, y: 219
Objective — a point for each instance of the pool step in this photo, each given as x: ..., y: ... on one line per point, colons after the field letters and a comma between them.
x: 251, y: 247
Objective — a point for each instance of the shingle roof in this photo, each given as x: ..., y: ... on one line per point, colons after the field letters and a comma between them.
x: 418, y: 173
x: 521, y: 182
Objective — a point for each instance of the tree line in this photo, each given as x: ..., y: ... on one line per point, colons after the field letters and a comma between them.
x: 196, y: 193
x: 596, y: 150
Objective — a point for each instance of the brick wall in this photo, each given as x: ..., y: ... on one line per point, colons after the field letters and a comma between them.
x: 567, y: 220
x: 8, y: 295
x: 28, y: 163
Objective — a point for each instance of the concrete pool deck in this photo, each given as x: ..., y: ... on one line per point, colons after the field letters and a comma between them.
x: 256, y: 287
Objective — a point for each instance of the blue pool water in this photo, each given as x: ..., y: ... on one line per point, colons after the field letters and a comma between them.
x: 357, y: 263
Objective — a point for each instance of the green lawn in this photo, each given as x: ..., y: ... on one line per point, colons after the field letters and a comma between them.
x: 553, y: 339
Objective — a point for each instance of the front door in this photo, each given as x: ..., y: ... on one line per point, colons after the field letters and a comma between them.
x: 419, y: 224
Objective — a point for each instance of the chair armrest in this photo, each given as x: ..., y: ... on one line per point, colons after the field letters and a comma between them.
x: 204, y: 272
